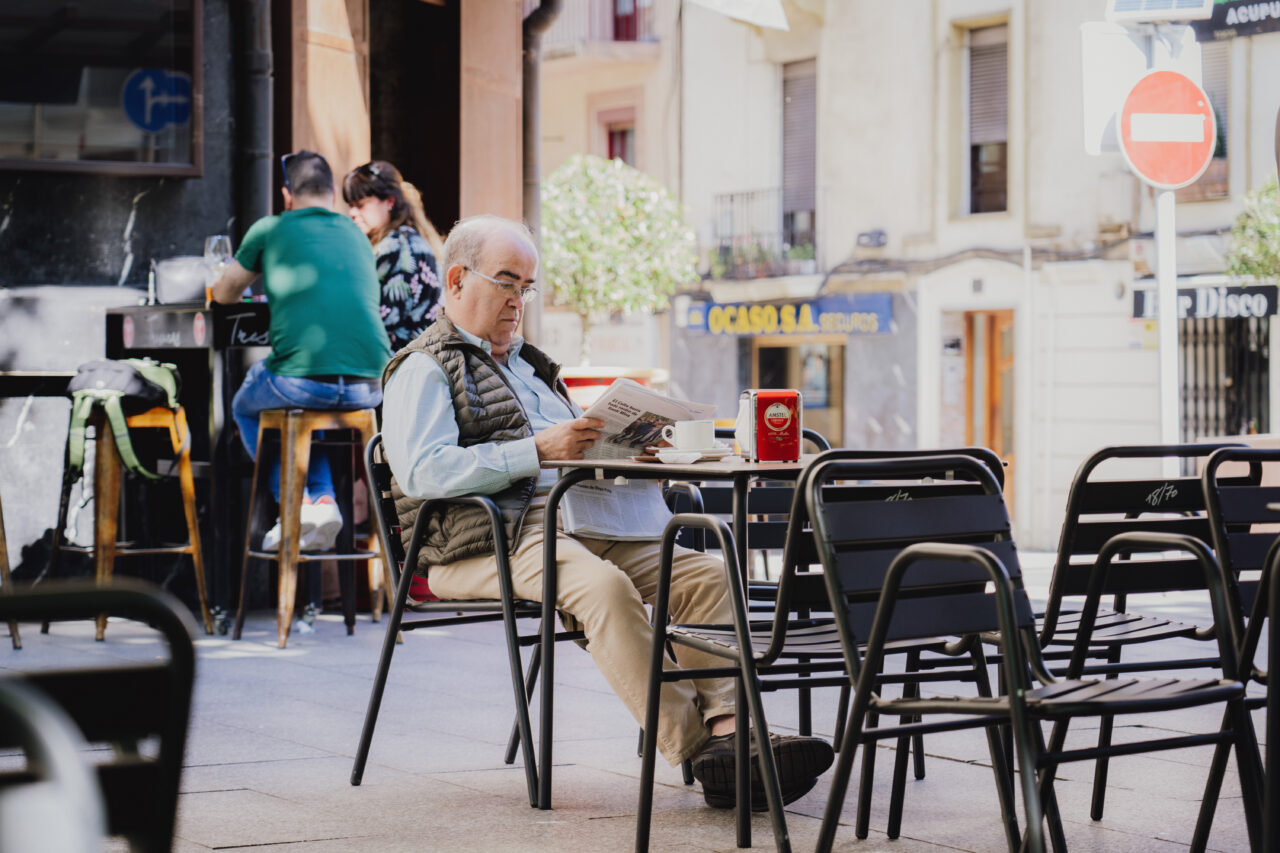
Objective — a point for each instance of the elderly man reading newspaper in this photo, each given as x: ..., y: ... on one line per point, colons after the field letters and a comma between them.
x: 470, y: 407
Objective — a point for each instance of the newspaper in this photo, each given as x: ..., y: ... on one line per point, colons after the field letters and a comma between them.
x: 633, y: 418
x: 601, y: 509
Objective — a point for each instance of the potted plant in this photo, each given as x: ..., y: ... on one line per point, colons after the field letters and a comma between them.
x: 613, y: 240
x: 1255, y: 236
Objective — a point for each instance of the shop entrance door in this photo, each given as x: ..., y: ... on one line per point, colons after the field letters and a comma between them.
x: 989, y: 385
x: 816, y: 368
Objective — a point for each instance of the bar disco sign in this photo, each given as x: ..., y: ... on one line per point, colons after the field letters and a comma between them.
x: 836, y: 314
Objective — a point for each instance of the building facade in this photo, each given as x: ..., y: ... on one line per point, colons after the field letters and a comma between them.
x: 899, y: 215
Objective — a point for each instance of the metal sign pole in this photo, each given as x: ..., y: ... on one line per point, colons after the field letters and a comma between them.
x: 1167, y: 287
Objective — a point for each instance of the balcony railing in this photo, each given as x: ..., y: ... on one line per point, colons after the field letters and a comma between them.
x: 756, y: 238
x: 583, y: 21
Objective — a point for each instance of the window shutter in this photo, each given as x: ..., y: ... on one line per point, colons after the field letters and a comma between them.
x: 799, y: 133
x: 1215, y: 57
x: 988, y: 85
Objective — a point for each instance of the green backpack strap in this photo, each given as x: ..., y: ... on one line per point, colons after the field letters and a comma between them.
x: 81, y: 406
x: 120, y: 429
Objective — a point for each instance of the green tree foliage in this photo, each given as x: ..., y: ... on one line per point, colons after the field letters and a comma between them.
x: 1255, y: 237
x: 613, y: 240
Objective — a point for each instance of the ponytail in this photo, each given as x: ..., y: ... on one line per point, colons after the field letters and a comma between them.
x: 418, y: 219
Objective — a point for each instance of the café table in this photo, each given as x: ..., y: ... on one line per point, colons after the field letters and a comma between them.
x: 208, y: 344
x: 573, y: 471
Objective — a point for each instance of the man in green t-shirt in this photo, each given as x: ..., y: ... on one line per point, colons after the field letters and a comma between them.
x: 328, y: 343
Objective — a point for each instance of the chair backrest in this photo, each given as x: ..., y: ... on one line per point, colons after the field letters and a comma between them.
x: 1117, y: 490
x: 1240, y: 483
x: 125, y: 706
x: 866, y: 513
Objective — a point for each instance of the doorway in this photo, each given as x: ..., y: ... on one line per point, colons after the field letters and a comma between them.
x: 988, y: 396
x: 816, y: 368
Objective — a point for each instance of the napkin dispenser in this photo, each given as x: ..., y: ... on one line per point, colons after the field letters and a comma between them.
x: 769, y: 428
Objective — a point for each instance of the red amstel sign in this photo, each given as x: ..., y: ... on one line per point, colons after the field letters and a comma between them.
x: 1167, y: 130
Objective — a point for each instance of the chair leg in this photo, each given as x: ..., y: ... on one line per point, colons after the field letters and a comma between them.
x: 106, y: 499
x: 6, y: 582
x: 380, y: 678
x: 1249, y: 768
x: 1105, y: 725
x: 862, y: 826
x: 649, y: 748
x: 842, y: 711
x: 258, y: 485
x: 1001, y: 757
x: 530, y: 680
x: 295, y: 455
x: 177, y: 435
x: 840, y: 778
x: 1046, y: 798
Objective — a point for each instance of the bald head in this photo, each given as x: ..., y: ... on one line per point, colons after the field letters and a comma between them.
x: 467, y: 240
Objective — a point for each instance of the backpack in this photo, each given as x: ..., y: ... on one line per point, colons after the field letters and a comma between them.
x: 120, y: 388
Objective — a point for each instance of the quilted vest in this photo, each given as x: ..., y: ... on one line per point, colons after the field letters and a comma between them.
x: 487, y: 410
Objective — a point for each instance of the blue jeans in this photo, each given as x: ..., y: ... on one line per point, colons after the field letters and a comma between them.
x: 263, y: 390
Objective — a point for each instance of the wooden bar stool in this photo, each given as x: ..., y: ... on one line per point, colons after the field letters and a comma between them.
x: 6, y: 581
x: 107, y: 477
x: 295, y: 428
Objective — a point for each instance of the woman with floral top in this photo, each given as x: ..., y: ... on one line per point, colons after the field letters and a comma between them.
x: 388, y: 209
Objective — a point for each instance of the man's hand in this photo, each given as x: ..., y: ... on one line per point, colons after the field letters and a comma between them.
x: 232, y: 282
x: 568, y: 440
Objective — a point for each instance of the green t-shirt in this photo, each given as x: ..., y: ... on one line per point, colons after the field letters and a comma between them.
x: 322, y: 287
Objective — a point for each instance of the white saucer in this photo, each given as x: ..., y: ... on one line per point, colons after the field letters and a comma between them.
x: 672, y: 456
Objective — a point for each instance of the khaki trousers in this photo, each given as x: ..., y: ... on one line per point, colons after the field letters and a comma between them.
x: 603, y: 585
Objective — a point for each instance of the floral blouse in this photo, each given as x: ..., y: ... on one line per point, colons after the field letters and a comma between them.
x: 411, y: 288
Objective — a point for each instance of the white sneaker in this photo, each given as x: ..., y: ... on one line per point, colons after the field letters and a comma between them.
x: 271, y: 541
x: 322, y: 523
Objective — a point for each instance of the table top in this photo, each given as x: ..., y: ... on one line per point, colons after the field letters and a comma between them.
x: 190, y: 325
x: 725, y: 468
x: 37, y: 383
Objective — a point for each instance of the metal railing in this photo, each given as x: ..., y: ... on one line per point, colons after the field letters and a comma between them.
x: 756, y: 238
x: 582, y: 21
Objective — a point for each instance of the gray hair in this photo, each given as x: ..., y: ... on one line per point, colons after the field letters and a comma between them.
x: 467, y: 238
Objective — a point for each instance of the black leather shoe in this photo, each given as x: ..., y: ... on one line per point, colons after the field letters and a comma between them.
x: 800, y: 761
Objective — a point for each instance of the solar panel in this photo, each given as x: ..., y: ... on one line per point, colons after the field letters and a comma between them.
x: 1152, y: 11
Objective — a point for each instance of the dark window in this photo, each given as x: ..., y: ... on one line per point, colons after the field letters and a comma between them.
x: 622, y: 143
x: 100, y: 85
x: 799, y: 153
x: 988, y: 108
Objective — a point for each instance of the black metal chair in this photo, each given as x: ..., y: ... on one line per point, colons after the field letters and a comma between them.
x: 797, y: 647
x: 1106, y: 499
x: 940, y: 563
x: 1240, y: 486
x: 122, y: 706
x: 435, y: 614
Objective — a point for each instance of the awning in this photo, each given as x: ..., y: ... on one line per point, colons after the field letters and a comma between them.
x: 762, y: 13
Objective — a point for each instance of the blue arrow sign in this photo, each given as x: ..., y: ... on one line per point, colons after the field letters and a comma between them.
x: 154, y: 98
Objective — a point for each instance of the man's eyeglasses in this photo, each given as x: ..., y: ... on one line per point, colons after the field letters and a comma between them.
x: 508, y: 288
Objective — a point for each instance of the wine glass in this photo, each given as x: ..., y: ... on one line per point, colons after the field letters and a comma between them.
x: 217, y: 254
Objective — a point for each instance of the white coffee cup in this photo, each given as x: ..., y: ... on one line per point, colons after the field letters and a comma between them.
x: 690, y: 435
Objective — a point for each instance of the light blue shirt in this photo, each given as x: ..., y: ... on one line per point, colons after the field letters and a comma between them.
x: 420, y: 430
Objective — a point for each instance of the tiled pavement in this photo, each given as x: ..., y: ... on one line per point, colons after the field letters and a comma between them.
x: 274, y: 731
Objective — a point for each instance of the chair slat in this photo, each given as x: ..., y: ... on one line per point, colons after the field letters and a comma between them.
x: 937, y: 615
x: 1091, y: 535
x: 864, y: 571
x: 1248, y: 504
x: 1135, y: 576
x: 1175, y: 494
x: 916, y: 519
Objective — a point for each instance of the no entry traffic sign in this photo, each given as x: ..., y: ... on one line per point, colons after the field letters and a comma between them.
x: 1167, y: 130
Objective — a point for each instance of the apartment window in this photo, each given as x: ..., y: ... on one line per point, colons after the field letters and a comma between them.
x: 799, y: 153
x: 102, y: 87
x: 621, y: 141
x: 1215, y: 57
x: 987, y: 109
